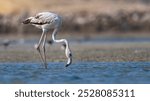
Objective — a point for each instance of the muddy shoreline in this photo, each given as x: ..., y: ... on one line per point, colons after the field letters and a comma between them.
x: 100, y: 52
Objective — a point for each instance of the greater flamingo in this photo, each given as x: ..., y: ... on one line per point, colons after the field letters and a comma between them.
x: 47, y: 21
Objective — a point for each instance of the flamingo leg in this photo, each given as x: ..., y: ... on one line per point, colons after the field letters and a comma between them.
x: 44, y: 50
x: 42, y: 60
x: 37, y: 46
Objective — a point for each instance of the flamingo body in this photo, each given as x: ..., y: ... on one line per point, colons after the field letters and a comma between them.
x: 47, y: 21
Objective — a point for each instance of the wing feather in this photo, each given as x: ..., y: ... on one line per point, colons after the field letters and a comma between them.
x: 42, y: 18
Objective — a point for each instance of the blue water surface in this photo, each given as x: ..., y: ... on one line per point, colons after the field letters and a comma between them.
x: 77, y: 73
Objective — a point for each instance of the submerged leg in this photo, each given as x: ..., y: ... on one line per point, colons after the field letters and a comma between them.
x: 44, y: 50
x: 37, y: 47
x: 39, y: 52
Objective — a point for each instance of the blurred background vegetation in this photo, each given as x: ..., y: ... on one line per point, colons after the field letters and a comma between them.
x: 79, y: 16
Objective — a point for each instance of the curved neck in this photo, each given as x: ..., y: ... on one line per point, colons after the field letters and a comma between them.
x: 60, y: 40
x: 54, y: 34
x: 67, y: 49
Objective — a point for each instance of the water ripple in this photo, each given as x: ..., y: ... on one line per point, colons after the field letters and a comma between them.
x: 78, y: 73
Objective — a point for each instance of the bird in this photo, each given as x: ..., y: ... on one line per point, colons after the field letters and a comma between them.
x: 47, y: 21
x: 6, y: 43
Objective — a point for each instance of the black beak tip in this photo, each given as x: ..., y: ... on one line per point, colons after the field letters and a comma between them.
x: 67, y: 65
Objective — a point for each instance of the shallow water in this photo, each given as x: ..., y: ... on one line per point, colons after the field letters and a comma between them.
x: 78, y: 73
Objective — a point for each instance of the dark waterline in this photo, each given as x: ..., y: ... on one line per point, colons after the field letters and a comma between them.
x: 77, y: 73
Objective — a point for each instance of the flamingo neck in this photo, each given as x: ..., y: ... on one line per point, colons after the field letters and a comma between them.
x: 60, y: 40
x: 67, y: 49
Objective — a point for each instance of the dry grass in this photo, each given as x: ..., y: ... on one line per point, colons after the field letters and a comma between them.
x: 68, y: 6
